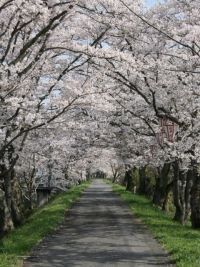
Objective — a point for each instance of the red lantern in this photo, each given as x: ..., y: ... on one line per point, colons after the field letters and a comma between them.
x: 169, y: 128
x: 171, y: 133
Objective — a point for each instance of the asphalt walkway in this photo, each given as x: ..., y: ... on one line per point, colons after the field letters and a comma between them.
x: 99, y: 231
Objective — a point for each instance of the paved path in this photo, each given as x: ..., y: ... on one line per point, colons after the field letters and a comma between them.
x: 99, y: 231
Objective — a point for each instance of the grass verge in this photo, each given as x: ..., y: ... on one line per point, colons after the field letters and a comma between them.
x: 182, y: 242
x: 20, y: 241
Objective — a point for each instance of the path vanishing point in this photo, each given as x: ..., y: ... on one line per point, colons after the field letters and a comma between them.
x: 99, y: 230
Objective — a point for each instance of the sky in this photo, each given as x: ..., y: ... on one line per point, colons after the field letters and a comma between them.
x: 151, y: 2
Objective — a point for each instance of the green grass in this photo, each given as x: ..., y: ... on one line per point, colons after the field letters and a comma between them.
x: 20, y: 241
x: 182, y: 242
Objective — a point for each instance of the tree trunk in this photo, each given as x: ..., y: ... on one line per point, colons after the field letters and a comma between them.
x: 16, y: 204
x: 181, y: 193
x: 160, y: 195
x: 115, y: 173
x: 11, y: 201
x: 165, y: 202
x: 188, y: 194
x: 2, y: 211
x: 142, y: 181
x: 8, y: 221
x: 195, y: 200
x: 129, y: 181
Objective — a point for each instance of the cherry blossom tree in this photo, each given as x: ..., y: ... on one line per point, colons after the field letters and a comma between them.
x: 152, y: 71
x: 84, y: 81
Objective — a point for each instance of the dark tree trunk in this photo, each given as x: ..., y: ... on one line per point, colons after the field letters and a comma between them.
x: 129, y: 180
x: 169, y: 188
x: 195, y: 199
x: 10, y: 212
x: 158, y: 195
x: 142, y: 181
x: 177, y: 193
x: 161, y: 191
x: 31, y: 186
x: 8, y: 221
x: 181, y: 193
x: 2, y: 211
x: 16, y: 204
x: 188, y: 189
x: 115, y: 174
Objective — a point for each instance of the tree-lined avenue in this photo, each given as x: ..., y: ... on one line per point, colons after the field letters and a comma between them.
x: 99, y: 230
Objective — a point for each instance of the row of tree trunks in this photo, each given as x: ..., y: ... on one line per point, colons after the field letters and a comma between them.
x: 185, y: 186
x: 187, y: 194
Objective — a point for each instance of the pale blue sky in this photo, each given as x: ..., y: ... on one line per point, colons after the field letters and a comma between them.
x: 151, y: 2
